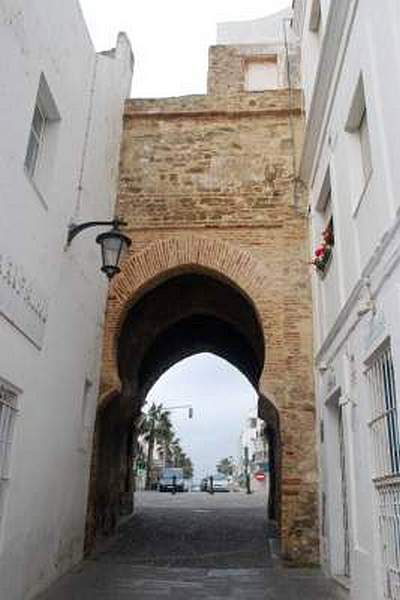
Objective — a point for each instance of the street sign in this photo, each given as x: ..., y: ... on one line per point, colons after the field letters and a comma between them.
x: 260, y: 476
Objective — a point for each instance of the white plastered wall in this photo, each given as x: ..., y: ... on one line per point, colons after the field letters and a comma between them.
x: 43, y: 513
x: 367, y: 242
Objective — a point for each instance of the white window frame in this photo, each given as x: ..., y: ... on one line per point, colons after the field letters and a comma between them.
x: 35, y: 141
x: 384, y: 418
x: 8, y: 413
x: 385, y: 438
x: 40, y: 149
x: 324, y: 209
x: 360, y: 145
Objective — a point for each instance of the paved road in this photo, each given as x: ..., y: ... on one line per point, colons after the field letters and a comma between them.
x: 192, y: 547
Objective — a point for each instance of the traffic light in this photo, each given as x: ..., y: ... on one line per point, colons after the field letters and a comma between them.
x: 190, y: 412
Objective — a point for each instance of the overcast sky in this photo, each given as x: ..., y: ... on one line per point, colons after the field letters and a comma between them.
x: 221, y: 398
x: 170, y: 38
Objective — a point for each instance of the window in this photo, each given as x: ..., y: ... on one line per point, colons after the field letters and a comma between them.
x: 384, y: 427
x: 41, y: 139
x: 359, y: 139
x: 8, y: 411
x: 384, y: 417
x: 324, y: 248
x: 35, y: 139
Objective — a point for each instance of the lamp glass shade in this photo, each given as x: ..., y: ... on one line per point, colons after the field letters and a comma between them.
x: 113, y: 245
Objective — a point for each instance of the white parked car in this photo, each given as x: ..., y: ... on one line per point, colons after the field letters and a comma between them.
x: 220, y: 483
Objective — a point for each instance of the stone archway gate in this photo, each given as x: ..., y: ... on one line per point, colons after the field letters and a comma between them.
x: 207, y: 181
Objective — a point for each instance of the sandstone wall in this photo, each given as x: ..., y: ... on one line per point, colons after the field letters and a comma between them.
x: 201, y: 162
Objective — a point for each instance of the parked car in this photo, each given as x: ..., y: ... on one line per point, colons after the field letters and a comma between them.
x: 220, y: 483
x: 167, y: 479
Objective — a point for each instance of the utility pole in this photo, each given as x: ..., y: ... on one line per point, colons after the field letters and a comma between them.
x: 246, y: 469
x: 150, y: 455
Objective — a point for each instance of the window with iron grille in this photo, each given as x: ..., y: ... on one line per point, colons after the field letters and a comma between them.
x: 8, y: 411
x: 384, y: 427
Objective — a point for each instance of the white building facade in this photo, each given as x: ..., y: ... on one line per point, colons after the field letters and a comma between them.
x: 61, y: 109
x: 351, y: 80
x: 253, y: 450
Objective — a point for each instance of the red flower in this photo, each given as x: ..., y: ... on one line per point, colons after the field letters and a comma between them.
x: 320, y: 250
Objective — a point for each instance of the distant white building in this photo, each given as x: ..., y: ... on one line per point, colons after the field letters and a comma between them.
x: 253, y: 445
x: 61, y: 110
x: 351, y: 79
x: 158, y: 462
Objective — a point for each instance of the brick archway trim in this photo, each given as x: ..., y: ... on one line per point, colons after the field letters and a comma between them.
x: 143, y: 271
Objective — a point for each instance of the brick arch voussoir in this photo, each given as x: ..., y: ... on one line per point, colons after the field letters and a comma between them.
x: 142, y: 271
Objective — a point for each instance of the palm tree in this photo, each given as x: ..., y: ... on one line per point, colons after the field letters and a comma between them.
x: 181, y: 459
x: 148, y: 429
x: 165, y: 434
x: 226, y: 466
x: 156, y: 429
x: 176, y: 451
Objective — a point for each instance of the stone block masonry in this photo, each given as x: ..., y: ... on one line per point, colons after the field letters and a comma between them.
x: 204, y: 161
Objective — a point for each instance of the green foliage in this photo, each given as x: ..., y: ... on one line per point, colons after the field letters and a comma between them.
x: 157, y: 428
x: 226, y: 466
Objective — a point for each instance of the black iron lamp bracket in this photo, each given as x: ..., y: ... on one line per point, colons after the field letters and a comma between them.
x: 75, y: 229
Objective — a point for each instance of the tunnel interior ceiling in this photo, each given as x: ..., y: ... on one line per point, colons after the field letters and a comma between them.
x: 185, y: 315
x: 199, y: 333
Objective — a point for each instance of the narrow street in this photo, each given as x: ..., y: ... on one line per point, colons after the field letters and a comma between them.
x: 192, y: 546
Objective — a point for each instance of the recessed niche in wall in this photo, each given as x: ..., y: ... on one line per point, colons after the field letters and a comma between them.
x: 261, y: 74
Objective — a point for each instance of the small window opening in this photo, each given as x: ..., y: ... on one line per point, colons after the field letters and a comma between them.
x: 35, y: 139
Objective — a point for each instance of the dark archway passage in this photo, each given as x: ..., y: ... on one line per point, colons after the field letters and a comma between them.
x: 183, y: 311
x: 186, y: 313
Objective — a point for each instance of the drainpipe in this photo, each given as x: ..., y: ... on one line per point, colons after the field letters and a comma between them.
x: 86, y: 140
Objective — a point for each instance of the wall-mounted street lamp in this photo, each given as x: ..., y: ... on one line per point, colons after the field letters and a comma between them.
x: 113, y: 243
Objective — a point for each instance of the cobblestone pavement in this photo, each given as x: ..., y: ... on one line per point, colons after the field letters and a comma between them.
x: 192, y: 547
